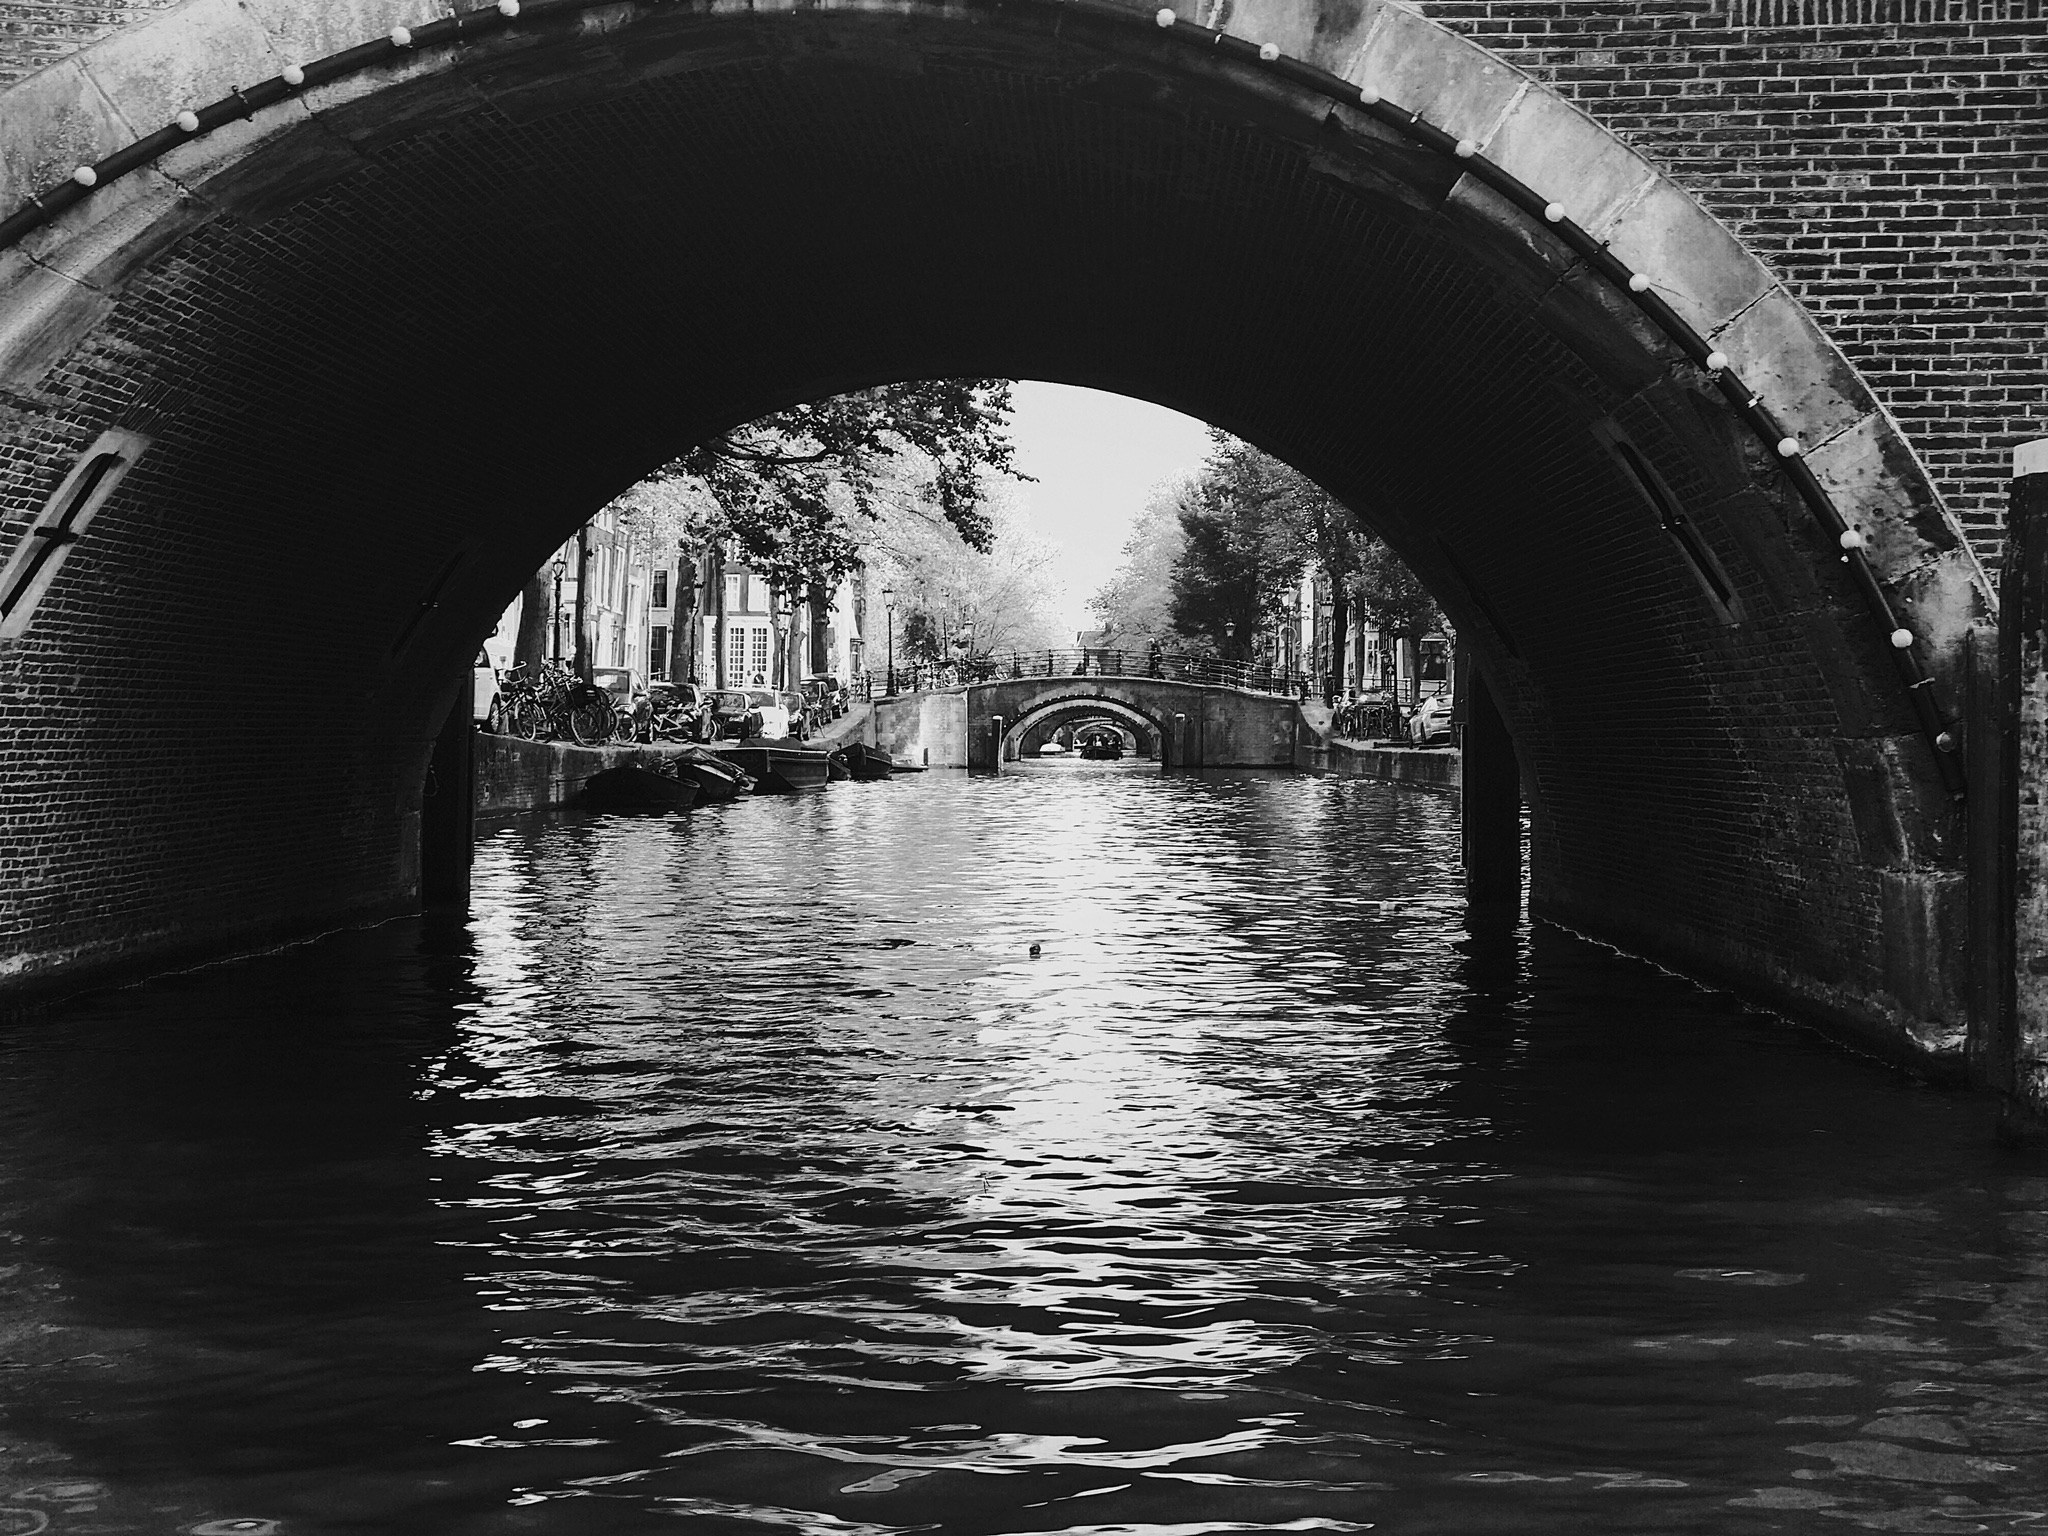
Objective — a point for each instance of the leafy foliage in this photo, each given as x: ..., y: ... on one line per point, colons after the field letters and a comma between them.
x: 801, y: 490
x: 1243, y: 544
x: 1137, y: 602
x: 1217, y: 558
x: 1000, y: 597
x: 1393, y: 599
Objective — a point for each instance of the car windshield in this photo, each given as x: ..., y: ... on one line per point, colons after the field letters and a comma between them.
x: 761, y: 698
x: 731, y: 700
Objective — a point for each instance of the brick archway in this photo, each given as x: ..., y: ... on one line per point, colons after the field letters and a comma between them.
x: 390, y: 334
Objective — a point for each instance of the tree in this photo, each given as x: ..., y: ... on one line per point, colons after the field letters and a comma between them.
x: 801, y: 490
x: 1216, y: 558
x: 1137, y: 602
x: 1002, y: 596
x: 1241, y: 547
x: 1390, y: 594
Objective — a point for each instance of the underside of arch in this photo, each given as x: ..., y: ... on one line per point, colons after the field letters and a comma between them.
x: 389, y: 338
x: 1024, y: 736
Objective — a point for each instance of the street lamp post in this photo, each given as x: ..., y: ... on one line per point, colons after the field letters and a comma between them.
x: 555, y: 615
x: 889, y: 607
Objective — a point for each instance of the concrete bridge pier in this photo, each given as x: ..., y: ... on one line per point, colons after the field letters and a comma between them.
x: 448, y: 804
x: 1492, y: 805
x: 2010, y: 1048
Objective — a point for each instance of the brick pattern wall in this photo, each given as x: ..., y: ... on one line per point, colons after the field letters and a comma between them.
x: 1887, y: 158
x: 38, y: 32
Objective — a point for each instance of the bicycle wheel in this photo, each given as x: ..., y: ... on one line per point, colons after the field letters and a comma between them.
x: 521, y: 718
x: 590, y: 720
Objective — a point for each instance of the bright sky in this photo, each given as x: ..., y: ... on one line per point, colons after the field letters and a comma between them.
x: 1096, y: 458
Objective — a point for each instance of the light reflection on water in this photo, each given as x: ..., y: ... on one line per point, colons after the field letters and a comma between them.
x: 747, y: 1169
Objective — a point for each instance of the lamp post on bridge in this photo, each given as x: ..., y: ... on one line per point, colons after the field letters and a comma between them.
x: 889, y: 607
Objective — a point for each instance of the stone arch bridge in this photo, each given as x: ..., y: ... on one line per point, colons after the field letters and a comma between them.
x: 321, y: 325
x: 1189, y: 725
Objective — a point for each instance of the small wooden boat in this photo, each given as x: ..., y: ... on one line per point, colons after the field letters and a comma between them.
x: 716, y: 779
x: 778, y: 770
x: 836, y: 767
x: 865, y: 762
x: 1102, y: 745
x: 630, y: 787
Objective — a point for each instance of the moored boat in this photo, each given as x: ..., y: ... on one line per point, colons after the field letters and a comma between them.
x: 716, y: 779
x: 630, y: 787
x: 865, y: 762
x: 778, y: 770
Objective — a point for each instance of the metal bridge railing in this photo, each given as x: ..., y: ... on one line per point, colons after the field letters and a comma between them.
x: 1105, y: 661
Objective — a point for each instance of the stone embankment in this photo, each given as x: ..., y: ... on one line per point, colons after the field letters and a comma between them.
x: 1320, y: 750
x: 514, y: 775
x: 1425, y: 767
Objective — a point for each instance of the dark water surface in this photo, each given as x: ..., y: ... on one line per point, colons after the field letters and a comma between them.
x: 744, y: 1173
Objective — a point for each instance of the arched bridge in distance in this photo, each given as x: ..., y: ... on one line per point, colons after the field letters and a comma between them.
x: 320, y: 326
x: 1187, y: 724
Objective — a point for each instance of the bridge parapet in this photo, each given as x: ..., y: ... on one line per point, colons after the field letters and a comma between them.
x: 1093, y: 661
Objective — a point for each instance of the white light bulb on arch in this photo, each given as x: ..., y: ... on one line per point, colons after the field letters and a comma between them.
x: 1554, y: 212
x: 1164, y: 18
x: 189, y: 120
x: 293, y: 75
x: 1787, y: 447
x: 1269, y: 51
x: 401, y: 37
x: 1902, y: 639
x: 86, y: 176
x: 1639, y: 283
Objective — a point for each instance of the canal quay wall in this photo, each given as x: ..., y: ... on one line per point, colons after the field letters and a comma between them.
x: 1438, y: 768
x: 514, y: 775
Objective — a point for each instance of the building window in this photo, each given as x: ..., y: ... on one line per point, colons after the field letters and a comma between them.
x: 760, y: 654
x: 660, y: 589
x: 738, y: 663
x: 34, y: 562
x: 732, y: 594
x: 657, y: 650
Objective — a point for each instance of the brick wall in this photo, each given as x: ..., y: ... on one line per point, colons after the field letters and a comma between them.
x: 38, y: 32
x: 1888, y: 159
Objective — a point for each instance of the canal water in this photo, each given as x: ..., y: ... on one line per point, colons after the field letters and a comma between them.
x: 1075, y: 1151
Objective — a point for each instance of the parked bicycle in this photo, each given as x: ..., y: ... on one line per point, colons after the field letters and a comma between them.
x: 1367, y: 719
x: 548, y: 702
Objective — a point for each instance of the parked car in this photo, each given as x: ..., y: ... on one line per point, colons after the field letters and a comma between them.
x: 490, y: 714
x: 805, y: 717
x: 733, y: 715
x: 778, y: 721
x: 1431, y: 721
x: 622, y: 683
